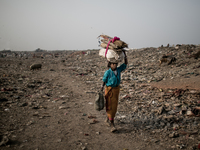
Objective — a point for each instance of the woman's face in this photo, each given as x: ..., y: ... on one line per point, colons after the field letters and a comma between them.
x: 113, y: 66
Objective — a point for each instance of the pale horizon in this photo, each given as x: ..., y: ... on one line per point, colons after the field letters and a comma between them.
x: 75, y: 24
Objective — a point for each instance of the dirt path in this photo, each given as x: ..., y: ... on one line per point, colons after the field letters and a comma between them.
x: 70, y: 129
x: 52, y: 128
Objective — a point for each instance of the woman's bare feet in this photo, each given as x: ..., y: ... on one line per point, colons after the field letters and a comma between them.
x: 107, y: 122
x: 113, y: 129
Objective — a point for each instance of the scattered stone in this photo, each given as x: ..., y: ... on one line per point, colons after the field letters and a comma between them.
x: 7, y: 109
x: 177, y: 105
x: 35, y: 66
x: 189, y: 113
x: 23, y: 104
x: 83, y: 148
x: 3, y: 140
x: 36, y: 113
x: 160, y: 110
x: 29, y: 123
x: 63, y: 107
x: 173, y: 135
x: 63, y: 96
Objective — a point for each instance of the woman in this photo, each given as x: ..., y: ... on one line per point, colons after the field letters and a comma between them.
x: 111, y: 79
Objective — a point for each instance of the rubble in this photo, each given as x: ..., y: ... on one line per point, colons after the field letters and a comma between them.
x: 3, y: 140
x: 163, y: 100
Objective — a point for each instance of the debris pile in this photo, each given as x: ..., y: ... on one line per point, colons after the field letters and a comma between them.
x: 162, y: 100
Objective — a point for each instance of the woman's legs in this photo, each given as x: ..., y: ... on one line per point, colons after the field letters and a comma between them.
x: 111, y: 95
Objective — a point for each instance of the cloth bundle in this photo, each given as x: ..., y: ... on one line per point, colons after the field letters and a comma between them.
x: 112, y: 48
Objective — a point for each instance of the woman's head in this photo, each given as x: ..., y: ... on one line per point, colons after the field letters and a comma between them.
x: 112, y: 65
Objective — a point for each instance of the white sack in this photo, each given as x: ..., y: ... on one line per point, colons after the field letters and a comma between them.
x: 112, y: 55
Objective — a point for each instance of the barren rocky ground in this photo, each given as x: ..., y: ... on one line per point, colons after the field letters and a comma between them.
x: 53, y: 107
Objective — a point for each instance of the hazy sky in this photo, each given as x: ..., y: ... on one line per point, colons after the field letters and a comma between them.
x: 76, y: 24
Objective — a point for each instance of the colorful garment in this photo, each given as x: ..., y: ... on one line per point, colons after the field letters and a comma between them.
x: 111, y: 96
x: 111, y: 79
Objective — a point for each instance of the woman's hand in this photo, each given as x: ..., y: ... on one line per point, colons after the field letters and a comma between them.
x: 125, y: 57
x: 102, y: 88
x: 124, y: 53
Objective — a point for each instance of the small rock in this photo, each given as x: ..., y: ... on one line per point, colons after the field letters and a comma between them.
x: 172, y: 112
x: 193, y: 91
x: 177, y: 105
x: 31, y: 85
x: 29, y: 123
x: 160, y: 110
x: 35, y: 107
x: 83, y: 147
x: 7, y: 109
x: 16, y: 97
x: 35, y: 66
x: 167, y: 104
x: 189, y: 113
x: 63, y: 96
x: 97, y: 133
x: 3, y: 140
x: 173, y: 147
x: 63, y: 107
x: 173, y: 135
x: 36, y: 113
x: 23, y: 104
x: 30, y: 103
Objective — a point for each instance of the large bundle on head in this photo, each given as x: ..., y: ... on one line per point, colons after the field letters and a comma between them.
x: 113, y: 48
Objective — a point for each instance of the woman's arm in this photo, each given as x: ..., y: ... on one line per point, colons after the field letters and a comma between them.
x: 125, y: 58
x: 102, y: 86
x: 105, y: 79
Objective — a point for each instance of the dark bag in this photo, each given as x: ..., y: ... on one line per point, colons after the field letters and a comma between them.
x: 99, y: 101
